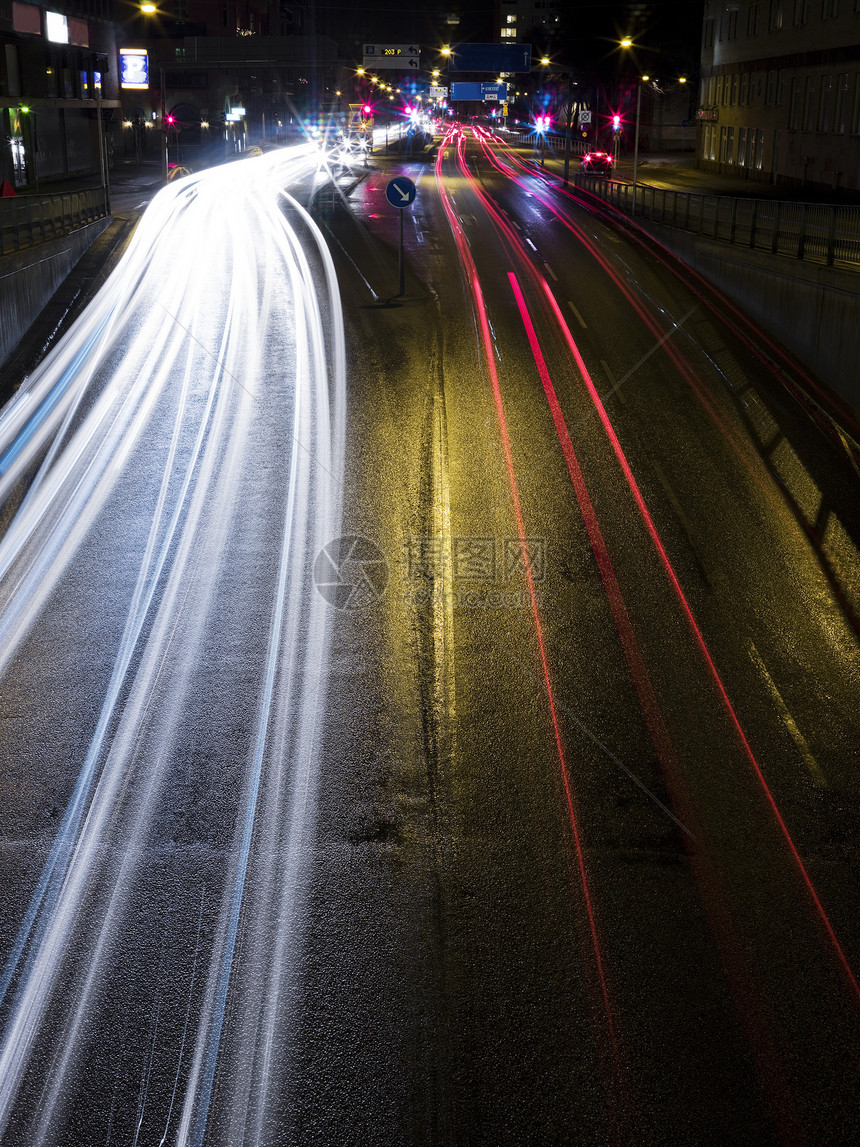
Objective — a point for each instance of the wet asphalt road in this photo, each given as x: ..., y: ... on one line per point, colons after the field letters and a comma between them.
x: 578, y: 862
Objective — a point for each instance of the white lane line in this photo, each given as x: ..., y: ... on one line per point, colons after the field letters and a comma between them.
x: 615, y: 390
x: 789, y: 722
x: 530, y: 243
x: 578, y: 316
x: 670, y: 494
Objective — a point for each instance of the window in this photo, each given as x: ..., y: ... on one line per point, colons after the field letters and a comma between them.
x: 510, y: 19
x: 742, y: 147
x: 733, y: 23
x: 730, y: 145
x: 758, y: 147
x: 801, y: 12
x: 745, y: 89
x: 825, y: 103
x: 775, y: 21
x: 56, y: 28
x: 723, y: 141
x: 794, y: 105
x: 809, y: 105
x: 708, y: 34
x: 841, y: 103
x: 752, y: 19
x: 734, y: 96
x: 780, y: 87
x: 829, y: 9
x: 770, y: 95
x: 508, y: 33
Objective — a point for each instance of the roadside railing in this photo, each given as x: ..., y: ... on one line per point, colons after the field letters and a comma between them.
x: 26, y: 220
x: 816, y: 232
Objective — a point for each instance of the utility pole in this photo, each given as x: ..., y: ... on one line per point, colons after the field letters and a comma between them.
x: 636, y: 142
x: 569, y: 117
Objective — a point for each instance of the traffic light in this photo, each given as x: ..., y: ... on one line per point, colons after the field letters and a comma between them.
x: 616, y: 123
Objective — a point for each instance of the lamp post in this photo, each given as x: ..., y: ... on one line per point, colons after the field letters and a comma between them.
x: 568, y: 116
x: 639, y: 83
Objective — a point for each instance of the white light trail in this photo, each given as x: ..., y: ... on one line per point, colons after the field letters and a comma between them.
x: 216, y: 347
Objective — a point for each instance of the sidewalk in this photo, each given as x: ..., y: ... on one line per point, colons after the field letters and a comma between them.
x: 677, y: 171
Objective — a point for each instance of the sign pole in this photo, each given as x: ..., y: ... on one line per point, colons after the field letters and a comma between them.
x: 401, y: 268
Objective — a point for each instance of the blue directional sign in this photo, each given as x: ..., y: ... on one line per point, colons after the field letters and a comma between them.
x: 478, y: 91
x: 400, y: 192
x: 490, y: 58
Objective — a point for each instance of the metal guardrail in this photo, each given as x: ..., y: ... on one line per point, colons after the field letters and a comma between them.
x: 816, y: 232
x: 26, y: 220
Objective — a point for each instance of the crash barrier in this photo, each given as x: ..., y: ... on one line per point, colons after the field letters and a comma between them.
x: 26, y: 220
x: 553, y: 140
x: 814, y: 232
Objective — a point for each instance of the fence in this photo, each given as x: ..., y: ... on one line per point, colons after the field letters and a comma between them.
x: 29, y: 219
x: 816, y: 232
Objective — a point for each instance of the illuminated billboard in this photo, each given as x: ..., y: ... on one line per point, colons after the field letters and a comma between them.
x: 133, y: 68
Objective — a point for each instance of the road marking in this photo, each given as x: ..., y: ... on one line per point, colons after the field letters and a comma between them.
x: 615, y: 390
x: 670, y: 494
x: 530, y: 243
x: 516, y: 225
x: 578, y: 316
x: 551, y: 271
x: 848, y: 450
x: 789, y: 722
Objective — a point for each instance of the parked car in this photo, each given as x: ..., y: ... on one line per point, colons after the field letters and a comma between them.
x: 596, y: 163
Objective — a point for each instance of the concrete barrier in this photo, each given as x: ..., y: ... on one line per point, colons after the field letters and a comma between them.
x: 30, y: 277
x: 812, y: 309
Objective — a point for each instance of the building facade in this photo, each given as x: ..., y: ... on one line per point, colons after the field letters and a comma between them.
x: 779, y: 99
x: 58, y: 90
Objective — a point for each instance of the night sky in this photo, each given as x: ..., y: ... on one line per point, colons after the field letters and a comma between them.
x: 668, y: 32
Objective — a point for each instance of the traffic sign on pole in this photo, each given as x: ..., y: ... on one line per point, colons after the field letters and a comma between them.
x: 400, y: 191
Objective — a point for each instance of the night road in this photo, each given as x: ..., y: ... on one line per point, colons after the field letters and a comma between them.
x: 426, y: 718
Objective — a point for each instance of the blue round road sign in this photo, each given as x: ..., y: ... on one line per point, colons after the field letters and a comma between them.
x: 400, y: 192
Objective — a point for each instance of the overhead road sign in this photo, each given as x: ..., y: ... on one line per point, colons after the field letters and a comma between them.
x: 436, y: 93
x: 479, y: 91
x: 490, y: 58
x: 403, y: 57
x: 400, y: 192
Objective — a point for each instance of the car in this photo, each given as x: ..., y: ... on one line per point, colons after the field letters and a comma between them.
x: 596, y: 163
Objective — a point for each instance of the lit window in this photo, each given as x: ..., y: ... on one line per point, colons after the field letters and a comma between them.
x: 56, y: 28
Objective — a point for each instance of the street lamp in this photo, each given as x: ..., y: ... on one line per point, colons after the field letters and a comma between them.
x: 568, y: 115
x: 639, y: 83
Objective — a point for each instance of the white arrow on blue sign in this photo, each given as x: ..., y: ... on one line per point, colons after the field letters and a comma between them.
x: 400, y: 192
